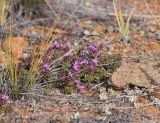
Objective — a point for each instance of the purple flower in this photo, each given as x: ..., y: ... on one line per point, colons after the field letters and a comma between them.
x: 92, y: 48
x: 84, y: 62
x: 54, y: 45
x: 84, y: 53
x: 4, y: 98
x: 76, y: 66
x: 45, y: 67
x: 95, y: 61
x: 79, y: 85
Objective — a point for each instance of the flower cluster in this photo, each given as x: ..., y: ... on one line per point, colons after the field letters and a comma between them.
x: 84, y: 53
x: 95, y: 61
x: 76, y: 65
x: 93, y: 48
x: 58, y: 46
x: 85, y: 63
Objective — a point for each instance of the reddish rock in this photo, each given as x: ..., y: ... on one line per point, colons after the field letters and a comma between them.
x: 136, y: 74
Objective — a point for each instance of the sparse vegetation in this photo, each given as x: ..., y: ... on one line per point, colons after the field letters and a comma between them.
x: 123, y: 26
x: 46, y: 66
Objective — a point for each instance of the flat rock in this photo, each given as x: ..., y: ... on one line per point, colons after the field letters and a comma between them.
x: 16, y: 45
x: 137, y: 74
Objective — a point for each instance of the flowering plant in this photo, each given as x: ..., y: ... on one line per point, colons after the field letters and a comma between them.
x: 83, y: 67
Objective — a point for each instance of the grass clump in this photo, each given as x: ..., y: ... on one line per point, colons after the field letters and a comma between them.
x: 123, y: 27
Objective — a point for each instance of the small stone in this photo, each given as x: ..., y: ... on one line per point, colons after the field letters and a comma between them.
x: 75, y: 116
x: 88, y: 4
x: 132, y: 99
x: 100, y: 118
x: 102, y: 90
x: 107, y: 110
x: 86, y: 108
x: 86, y: 32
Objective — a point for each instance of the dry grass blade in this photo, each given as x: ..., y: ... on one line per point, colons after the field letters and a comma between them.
x: 56, y: 22
x: 128, y: 20
x: 123, y: 27
x: 55, y: 14
x: 151, y: 12
x: 30, y: 81
x: 2, y: 12
x: 116, y: 14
